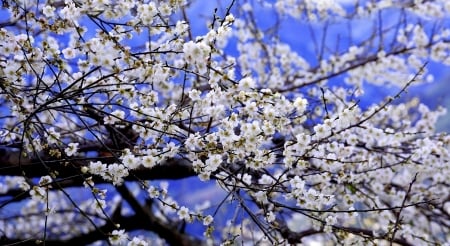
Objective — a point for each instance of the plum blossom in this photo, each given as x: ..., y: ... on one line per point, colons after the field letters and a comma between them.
x: 114, y: 117
x: 137, y: 242
x: 153, y: 192
x: 118, y: 237
x: 184, y: 214
x: 207, y: 220
x: 49, y: 11
x: 53, y: 136
x: 71, y: 149
x: 69, y: 53
x: 197, y: 53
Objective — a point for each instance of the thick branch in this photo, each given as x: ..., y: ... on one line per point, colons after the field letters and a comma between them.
x: 163, y: 229
x: 68, y: 171
x: 296, y: 237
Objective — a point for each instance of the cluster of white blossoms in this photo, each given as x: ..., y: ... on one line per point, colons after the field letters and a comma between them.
x: 110, y: 97
x: 197, y: 54
x: 314, y: 9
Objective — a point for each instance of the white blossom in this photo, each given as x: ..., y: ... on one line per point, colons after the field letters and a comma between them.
x: 118, y: 237
x: 49, y: 11
x: 208, y: 220
x: 71, y: 149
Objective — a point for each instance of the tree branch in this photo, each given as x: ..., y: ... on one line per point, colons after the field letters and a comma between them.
x: 69, y: 172
x: 164, y: 230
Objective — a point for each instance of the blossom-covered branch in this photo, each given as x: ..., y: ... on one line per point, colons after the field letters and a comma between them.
x: 240, y: 123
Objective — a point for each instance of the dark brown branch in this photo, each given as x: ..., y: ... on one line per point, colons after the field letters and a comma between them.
x: 163, y: 229
x: 175, y: 168
x: 296, y: 237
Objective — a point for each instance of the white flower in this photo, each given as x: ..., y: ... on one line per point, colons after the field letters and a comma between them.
x: 300, y: 105
x: 69, y: 53
x: 72, y: 149
x: 261, y: 197
x: 52, y: 136
x: 118, y: 237
x: 197, y: 54
x: 194, y: 94
x: 97, y: 167
x: 204, y: 176
x: 322, y: 131
x: 208, y: 220
x: 229, y: 18
x: 297, y: 183
x: 247, y: 179
x: 114, y: 117
x: 270, y: 217
x: 45, y: 180
x: 117, y: 172
x: 137, y: 242
x: 48, y: 11
x: 38, y: 193
x: 246, y: 84
x: 181, y: 27
x: 165, y: 9
x: 130, y: 161
x: 147, y: 13
x: 149, y: 161
x: 183, y: 214
x: 213, y: 162
x: 329, y: 222
x: 266, y: 180
x: 153, y: 192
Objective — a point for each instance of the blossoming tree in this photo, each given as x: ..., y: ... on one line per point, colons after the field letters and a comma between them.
x: 107, y: 106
